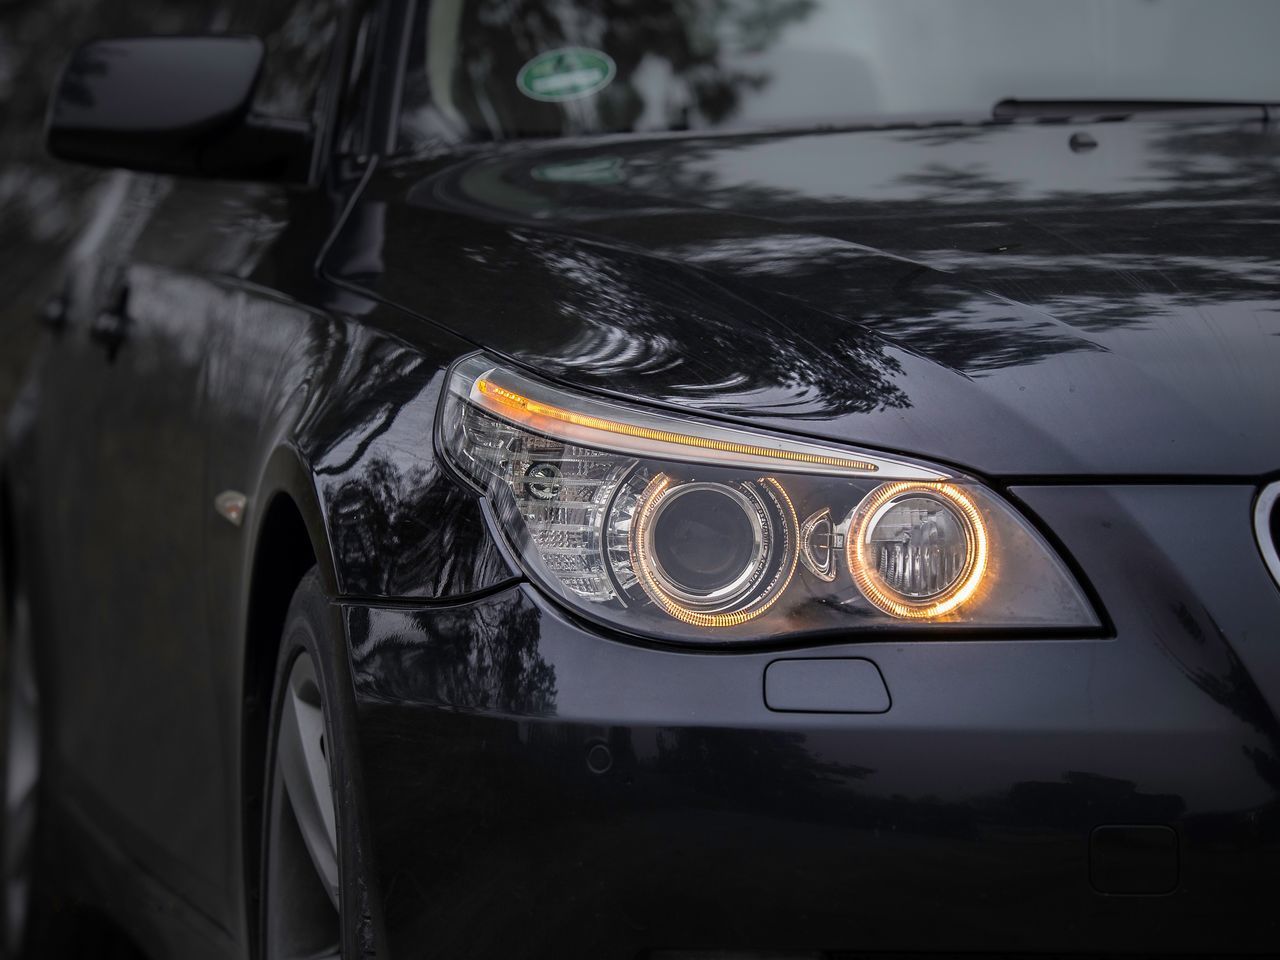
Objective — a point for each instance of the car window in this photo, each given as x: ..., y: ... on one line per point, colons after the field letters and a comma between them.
x: 490, y: 69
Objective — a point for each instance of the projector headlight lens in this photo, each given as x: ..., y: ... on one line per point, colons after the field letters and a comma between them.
x: 684, y: 530
x: 713, y: 554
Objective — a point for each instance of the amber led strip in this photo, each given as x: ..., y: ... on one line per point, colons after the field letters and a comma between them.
x: 536, y: 408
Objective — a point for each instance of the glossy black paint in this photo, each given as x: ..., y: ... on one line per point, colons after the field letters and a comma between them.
x: 172, y: 105
x: 221, y: 380
x: 960, y: 820
x: 977, y: 293
x: 1093, y: 331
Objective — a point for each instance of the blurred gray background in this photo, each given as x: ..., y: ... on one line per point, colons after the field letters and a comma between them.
x: 43, y: 205
x: 39, y: 203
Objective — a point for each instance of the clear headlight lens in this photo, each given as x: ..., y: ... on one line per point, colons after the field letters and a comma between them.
x: 683, y: 530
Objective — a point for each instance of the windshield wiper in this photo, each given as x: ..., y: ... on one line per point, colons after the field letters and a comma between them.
x: 1013, y: 108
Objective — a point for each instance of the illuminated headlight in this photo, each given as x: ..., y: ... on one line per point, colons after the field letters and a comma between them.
x: 711, y: 554
x: 680, y: 529
x: 918, y: 550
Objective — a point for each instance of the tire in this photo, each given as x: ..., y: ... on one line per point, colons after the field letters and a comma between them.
x: 310, y: 902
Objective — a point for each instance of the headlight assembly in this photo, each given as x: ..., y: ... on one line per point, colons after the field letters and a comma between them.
x: 685, y: 530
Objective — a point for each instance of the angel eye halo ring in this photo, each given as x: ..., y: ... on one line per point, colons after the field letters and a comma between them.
x: 725, y: 564
x: 917, y: 551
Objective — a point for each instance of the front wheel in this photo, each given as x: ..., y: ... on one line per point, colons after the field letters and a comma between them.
x: 308, y: 830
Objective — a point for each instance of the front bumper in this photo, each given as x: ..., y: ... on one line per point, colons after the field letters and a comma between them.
x: 535, y: 790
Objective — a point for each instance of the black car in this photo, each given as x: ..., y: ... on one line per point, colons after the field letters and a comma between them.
x: 670, y: 479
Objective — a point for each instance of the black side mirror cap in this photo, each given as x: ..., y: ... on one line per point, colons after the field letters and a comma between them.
x: 177, y: 105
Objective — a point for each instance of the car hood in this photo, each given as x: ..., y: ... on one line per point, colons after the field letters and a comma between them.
x: 1020, y: 299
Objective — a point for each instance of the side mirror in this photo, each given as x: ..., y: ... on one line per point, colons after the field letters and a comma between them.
x: 176, y: 105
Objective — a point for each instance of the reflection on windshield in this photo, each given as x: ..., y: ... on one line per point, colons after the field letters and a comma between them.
x: 490, y: 69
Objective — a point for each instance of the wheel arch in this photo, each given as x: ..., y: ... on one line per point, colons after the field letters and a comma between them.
x: 288, y: 539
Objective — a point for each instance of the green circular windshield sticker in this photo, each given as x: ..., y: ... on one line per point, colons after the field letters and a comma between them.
x: 569, y: 73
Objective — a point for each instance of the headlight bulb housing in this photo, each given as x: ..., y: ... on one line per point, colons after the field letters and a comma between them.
x: 689, y: 531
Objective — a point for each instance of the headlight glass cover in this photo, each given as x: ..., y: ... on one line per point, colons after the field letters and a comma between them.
x: 684, y: 530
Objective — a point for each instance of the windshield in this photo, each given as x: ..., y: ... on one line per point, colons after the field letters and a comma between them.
x: 495, y: 69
